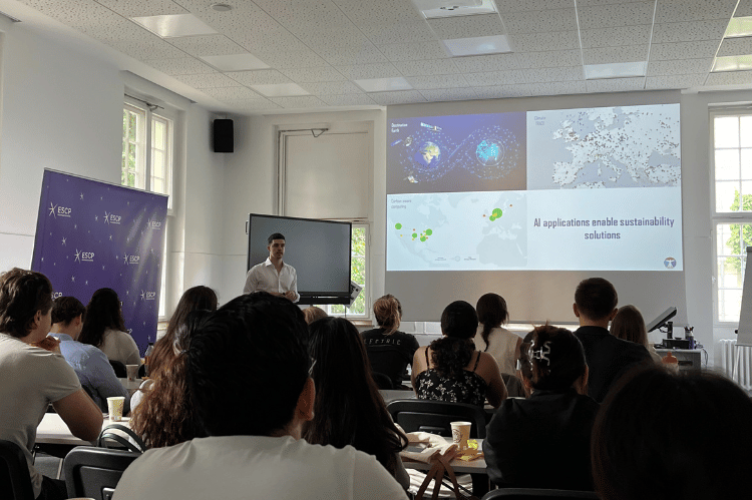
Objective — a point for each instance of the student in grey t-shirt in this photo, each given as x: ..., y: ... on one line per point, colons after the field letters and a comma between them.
x: 31, y: 377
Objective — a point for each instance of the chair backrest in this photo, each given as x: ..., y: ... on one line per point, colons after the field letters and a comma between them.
x: 119, y: 368
x: 383, y: 382
x: 536, y: 494
x: 386, y: 359
x: 418, y: 415
x: 94, y: 472
x: 15, y: 482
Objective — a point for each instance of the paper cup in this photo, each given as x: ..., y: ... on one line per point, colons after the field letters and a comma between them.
x: 115, y: 408
x: 461, y: 433
x: 132, y: 371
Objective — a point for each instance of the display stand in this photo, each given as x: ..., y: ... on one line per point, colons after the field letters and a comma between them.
x: 744, y: 338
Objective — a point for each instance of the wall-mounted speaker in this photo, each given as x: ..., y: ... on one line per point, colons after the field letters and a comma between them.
x: 223, y: 136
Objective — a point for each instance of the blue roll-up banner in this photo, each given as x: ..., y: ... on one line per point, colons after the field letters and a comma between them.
x: 92, y: 235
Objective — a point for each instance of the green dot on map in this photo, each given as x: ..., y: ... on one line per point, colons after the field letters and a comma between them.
x: 415, y: 235
x: 496, y: 212
x: 429, y: 232
x: 492, y: 218
x: 398, y: 226
x: 422, y: 238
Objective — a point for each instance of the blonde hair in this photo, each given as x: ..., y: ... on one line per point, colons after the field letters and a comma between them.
x: 628, y: 324
x: 314, y: 313
x: 388, y: 312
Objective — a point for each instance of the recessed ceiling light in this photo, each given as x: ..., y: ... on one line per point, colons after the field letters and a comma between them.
x: 615, y: 70
x: 478, y: 46
x: 175, y: 25
x: 457, y: 9
x: 383, y: 84
x: 235, y: 62
x: 739, y: 26
x: 280, y: 89
x: 221, y: 7
x: 732, y: 63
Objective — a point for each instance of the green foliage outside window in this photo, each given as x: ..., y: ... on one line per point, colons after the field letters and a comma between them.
x: 357, y: 273
x: 734, y: 243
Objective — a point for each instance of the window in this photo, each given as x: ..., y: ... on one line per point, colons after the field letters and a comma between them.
x: 732, y: 209
x: 358, y: 272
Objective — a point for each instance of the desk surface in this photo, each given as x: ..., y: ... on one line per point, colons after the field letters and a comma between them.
x: 477, y: 466
x: 52, y: 430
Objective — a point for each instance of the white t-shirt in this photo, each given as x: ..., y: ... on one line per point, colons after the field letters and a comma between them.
x: 501, y: 345
x: 243, y: 467
x: 30, y: 379
x: 119, y: 346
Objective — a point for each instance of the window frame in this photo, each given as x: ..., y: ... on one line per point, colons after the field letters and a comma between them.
x: 723, y: 218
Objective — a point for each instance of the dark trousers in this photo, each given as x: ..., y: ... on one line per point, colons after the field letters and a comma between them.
x: 53, y: 489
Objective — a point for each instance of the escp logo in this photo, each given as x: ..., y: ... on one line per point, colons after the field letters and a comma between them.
x: 112, y: 218
x: 60, y: 211
x: 56, y: 295
x: 131, y: 260
x: 83, y: 256
x: 148, y: 295
x: 155, y: 225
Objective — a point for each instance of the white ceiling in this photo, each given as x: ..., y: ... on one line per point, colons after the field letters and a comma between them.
x: 323, y: 45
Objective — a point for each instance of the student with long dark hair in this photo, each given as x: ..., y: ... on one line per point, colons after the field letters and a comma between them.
x: 162, y: 412
x: 451, y: 369
x: 349, y: 409
x: 104, y: 328
x: 492, y: 338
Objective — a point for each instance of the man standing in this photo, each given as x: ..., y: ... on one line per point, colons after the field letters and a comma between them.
x: 273, y: 275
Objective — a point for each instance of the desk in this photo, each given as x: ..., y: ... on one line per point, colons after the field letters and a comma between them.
x: 477, y: 466
x: 52, y: 430
x: 131, y: 385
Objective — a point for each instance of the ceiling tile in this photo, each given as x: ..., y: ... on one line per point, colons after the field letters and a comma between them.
x: 501, y: 91
x: 467, y: 26
x: 557, y: 88
x: 681, y: 67
x: 736, y: 46
x: 670, y: 11
x: 683, y: 50
x: 384, y: 34
x: 545, y: 75
x: 302, y: 16
x: 414, y: 51
x: 307, y: 101
x: 76, y: 14
x: 617, y: 36
x: 140, y: 8
x: 611, y: 15
x: 397, y: 97
x: 328, y: 37
x: 518, y: 6
x: 492, y: 78
x: 151, y: 47
x: 258, y: 77
x: 744, y: 9
x: 297, y: 59
x: 252, y: 104
x: 122, y: 31
x: 616, y: 84
x: 540, y: 21
x: 312, y: 75
x: 627, y: 53
x: 381, y: 12
x: 449, y: 94
x: 555, y: 40
x: 426, y: 67
x: 729, y: 78
x: 689, y: 31
x: 181, y: 66
x: 207, y: 81
x: 437, y: 81
x: 491, y: 62
x: 231, y: 93
x: 332, y: 88
x: 209, y: 45
x: 550, y: 59
x: 357, y: 54
x: 598, y: 3
x: 259, y: 42
x: 363, y: 71
x: 347, y: 99
x: 675, y: 81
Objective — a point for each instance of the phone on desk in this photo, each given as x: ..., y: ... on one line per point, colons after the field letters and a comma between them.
x: 417, y: 447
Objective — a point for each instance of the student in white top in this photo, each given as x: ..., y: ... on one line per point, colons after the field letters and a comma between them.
x: 273, y: 275
x: 104, y: 328
x: 249, y: 379
x: 32, y: 377
x: 499, y: 342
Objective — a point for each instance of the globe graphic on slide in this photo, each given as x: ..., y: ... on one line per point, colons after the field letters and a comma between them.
x: 489, y: 153
x: 428, y: 154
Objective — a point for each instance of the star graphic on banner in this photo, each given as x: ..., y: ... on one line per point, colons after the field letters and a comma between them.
x: 82, y: 197
x: 110, y: 237
x: 75, y: 226
x: 50, y: 233
x: 102, y: 268
x: 144, y: 323
x: 96, y: 218
x: 101, y: 198
x: 63, y: 241
x: 73, y: 279
x: 52, y: 210
x: 151, y: 250
x: 87, y: 282
x: 42, y: 259
x: 128, y: 203
x: 125, y: 259
x: 78, y: 256
x: 127, y: 292
x: 143, y: 295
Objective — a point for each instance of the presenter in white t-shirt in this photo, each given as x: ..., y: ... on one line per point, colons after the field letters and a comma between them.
x: 273, y: 275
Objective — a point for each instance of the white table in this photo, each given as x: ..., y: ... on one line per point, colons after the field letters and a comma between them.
x: 52, y: 430
x: 131, y: 385
x: 477, y: 466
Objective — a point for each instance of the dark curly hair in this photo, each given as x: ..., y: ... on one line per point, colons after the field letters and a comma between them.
x: 492, y: 312
x: 66, y: 309
x: 104, y: 311
x: 22, y: 294
x: 452, y: 353
x: 552, y: 358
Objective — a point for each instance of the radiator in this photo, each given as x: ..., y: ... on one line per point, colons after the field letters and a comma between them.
x: 729, y: 352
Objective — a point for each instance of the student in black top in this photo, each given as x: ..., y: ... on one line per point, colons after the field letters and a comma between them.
x: 389, y: 350
x: 607, y: 357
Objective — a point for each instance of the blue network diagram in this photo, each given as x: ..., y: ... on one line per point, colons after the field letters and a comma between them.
x: 457, y: 153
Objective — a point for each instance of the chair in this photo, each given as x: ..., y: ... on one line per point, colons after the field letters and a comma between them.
x: 536, y: 494
x: 386, y: 359
x: 418, y: 415
x: 15, y: 481
x: 94, y: 472
x: 382, y: 381
x: 119, y: 368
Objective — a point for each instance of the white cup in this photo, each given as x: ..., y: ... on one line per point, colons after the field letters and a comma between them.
x: 132, y: 371
x: 115, y: 408
x: 461, y: 433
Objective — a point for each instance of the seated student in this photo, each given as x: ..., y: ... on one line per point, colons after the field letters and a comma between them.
x: 162, y: 411
x: 349, y: 409
x: 313, y: 313
x: 499, y: 342
x: 249, y: 380
x: 389, y: 350
x: 450, y: 369
x: 641, y: 453
x: 90, y: 364
x: 608, y: 358
x: 31, y: 377
x: 104, y: 328
x: 629, y: 325
x: 544, y: 441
